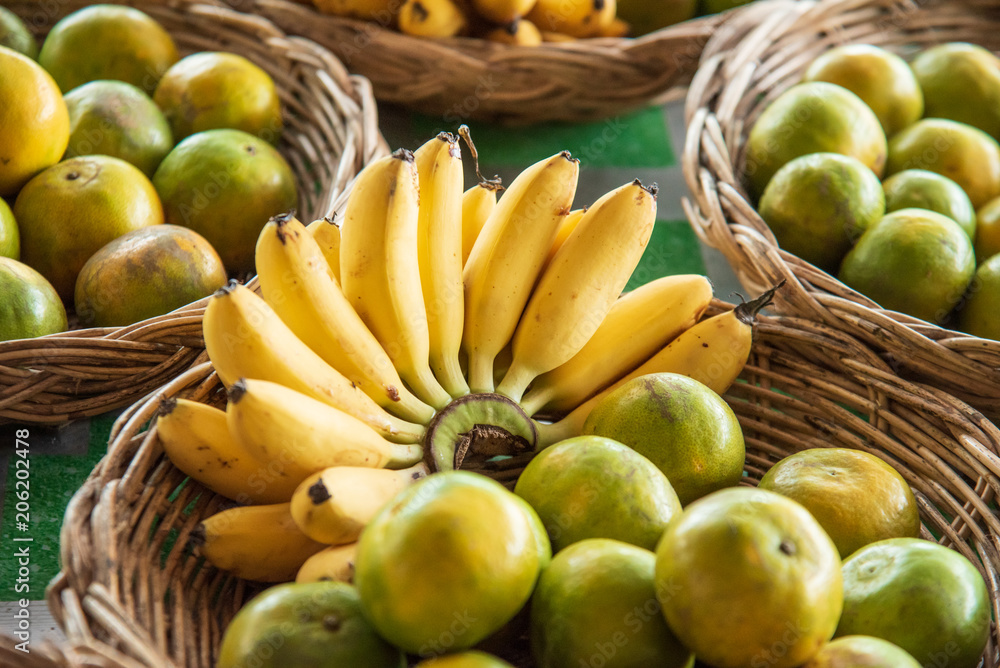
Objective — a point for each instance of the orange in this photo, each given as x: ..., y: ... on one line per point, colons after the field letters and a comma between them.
x: 10, y: 237
x: 29, y: 305
x: 913, y: 261
x: 225, y: 185
x: 447, y: 563
x: 813, y: 117
x: 14, y: 34
x: 107, y: 42
x: 921, y: 189
x: 961, y: 82
x: 747, y: 577
x: 471, y: 659
x: 117, y: 119
x: 987, y: 242
x: 927, y: 599
x: 979, y: 313
x: 855, y: 496
x: 861, y: 652
x: 880, y: 78
x: 71, y: 210
x: 209, y: 90
x: 146, y: 273
x: 966, y: 155
x: 34, y: 123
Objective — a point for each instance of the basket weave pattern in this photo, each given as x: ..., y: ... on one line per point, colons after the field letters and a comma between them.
x: 759, y: 53
x: 806, y: 385
x: 331, y: 132
x: 465, y: 78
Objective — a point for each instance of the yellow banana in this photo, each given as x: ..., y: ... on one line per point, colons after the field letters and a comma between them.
x: 432, y: 18
x: 549, y: 36
x: 326, y: 232
x: 295, y: 280
x: 383, y: 11
x: 274, y: 422
x: 335, y: 504
x: 614, y: 27
x: 640, y: 323
x: 520, y: 32
x: 260, y: 543
x: 581, y: 284
x: 565, y: 229
x: 334, y: 564
x: 439, y: 253
x: 196, y: 438
x: 478, y: 203
x: 577, y: 18
x: 381, y: 273
x: 503, y: 12
x: 507, y: 258
x: 245, y: 338
x: 714, y: 352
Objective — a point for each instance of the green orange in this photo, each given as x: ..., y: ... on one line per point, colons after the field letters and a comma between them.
x: 961, y: 82
x: 861, y: 652
x: 987, y: 241
x: 14, y: 34
x: 10, y: 237
x: 29, y: 305
x: 922, y: 189
x: 979, y: 313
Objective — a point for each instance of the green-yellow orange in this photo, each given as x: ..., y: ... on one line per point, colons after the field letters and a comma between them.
x: 10, y: 237
x: 34, y: 123
x: 596, y: 604
x: 29, y: 305
x: 447, y: 563
x: 817, y: 206
x: 107, y: 42
x: 880, y: 78
x: 856, y: 497
x: 117, y: 119
x: 921, y: 189
x: 961, y: 82
x: 913, y: 261
x: 739, y: 570
x: 923, y: 597
x: 146, y: 273
x: 594, y: 487
x: 305, y: 624
x: 14, y: 34
x: 987, y: 242
x: 966, y: 155
x: 861, y: 652
x: 210, y: 90
x: 472, y: 659
x: 979, y: 313
x: 680, y: 425
x: 225, y: 185
x: 813, y: 117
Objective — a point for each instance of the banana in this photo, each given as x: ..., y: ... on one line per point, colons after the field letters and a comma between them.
x: 260, y: 543
x: 507, y: 258
x: 579, y: 287
x: 196, y: 438
x: 503, y: 12
x: 334, y: 564
x: 432, y: 18
x: 381, y: 273
x: 565, y: 229
x: 382, y: 11
x: 548, y: 36
x: 326, y: 232
x: 275, y: 423
x: 713, y: 352
x: 295, y: 280
x: 576, y: 18
x: 245, y: 338
x: 335, y: 504
x: 478, y: 203
x: 615, y: 27
x: 520, y: 32
x: 640, y: 323
x: 439, y: 253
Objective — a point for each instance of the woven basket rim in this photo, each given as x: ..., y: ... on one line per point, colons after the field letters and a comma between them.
x: 804, y: 381
x: 331, y: 132
x: 757, y: 54
x: 464, y: 78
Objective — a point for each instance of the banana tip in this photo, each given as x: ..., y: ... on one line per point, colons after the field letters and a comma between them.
x: 166, y: 406
x: 238, y: 389
x: 226, y: 289
x: 403, y: 154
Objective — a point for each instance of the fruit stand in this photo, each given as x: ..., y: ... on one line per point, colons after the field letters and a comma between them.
x: 449, y: 426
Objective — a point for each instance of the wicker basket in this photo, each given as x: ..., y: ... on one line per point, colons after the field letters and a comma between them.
x: 758, y: 54
x: 466, y: 78
x: 331, y: 132
x: 806, y: 385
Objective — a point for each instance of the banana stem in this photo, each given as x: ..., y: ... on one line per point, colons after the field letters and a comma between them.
x: 568, y: 427
x: 533, y: 401
x: 515, y: 382
x: 480, y: 373
x: 405, y: 456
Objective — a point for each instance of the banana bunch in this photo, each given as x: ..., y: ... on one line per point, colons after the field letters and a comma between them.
x: 518, y: 22
x: 432, y: 326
